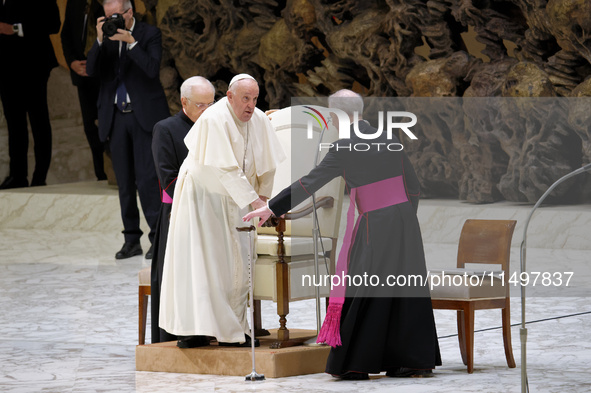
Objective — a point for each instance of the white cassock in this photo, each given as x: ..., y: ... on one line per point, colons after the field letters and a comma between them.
x: 205, y: 277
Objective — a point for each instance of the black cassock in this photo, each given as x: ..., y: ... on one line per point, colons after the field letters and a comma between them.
x: 384, y: 327
x: 169, y: 151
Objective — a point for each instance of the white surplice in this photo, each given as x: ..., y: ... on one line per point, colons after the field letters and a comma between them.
x: 205, y: 277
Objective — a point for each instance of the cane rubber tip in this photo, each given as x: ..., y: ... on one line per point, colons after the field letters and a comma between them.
x: 255, y: 377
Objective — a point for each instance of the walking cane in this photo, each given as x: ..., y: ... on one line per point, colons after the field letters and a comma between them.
x: 253, y: 376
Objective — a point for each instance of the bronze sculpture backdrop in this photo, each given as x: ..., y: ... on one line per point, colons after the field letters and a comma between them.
x: 533, y: 48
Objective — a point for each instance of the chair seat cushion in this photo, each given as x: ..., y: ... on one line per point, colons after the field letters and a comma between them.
x: 267, y: 245
x: 465, y: 284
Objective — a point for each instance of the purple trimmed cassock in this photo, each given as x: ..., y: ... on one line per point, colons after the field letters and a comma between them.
x: 381, y: 328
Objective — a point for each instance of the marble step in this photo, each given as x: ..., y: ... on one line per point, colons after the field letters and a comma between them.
x: 84, y: 206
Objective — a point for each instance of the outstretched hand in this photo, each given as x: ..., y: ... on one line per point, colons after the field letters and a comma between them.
x: 263, y: 213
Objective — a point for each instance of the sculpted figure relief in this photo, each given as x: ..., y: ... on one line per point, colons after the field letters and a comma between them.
x: 411, y: 48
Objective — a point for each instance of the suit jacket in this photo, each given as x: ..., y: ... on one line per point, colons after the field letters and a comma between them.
x: 74, y: 31
x: 33, y: 52
x: 140, y: 73
x: 169, y: 149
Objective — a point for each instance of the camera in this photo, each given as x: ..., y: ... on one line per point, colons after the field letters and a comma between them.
x: 113, y: 23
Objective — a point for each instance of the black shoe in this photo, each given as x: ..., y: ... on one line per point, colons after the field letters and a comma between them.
x: 246, y: 344
x: 150, y: 252
x: 192, y: 342
x: 13, y: 182
x: 353, y: 376
x: 404, y: 372
x: 129, y: 250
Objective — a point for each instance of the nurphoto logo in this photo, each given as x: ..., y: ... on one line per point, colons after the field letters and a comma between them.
x: 392, y: 123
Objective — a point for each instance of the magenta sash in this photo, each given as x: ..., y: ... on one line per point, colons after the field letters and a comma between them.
x: 166, y: 198
x: 367, y: 198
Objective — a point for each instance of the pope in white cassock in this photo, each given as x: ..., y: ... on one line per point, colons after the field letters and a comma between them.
x: 233, y: 154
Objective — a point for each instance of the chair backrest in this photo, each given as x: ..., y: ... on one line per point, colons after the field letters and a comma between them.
x: 486, y: 242
x: 292, y: 126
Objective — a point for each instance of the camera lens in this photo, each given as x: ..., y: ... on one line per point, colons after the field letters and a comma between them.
x: 113, y: 23
x: 109, y: 29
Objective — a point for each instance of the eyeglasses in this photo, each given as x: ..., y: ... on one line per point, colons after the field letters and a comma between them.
x: 202, y: 106
x: 120, y: 13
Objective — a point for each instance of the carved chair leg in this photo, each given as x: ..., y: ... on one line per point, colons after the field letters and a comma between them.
x: 507, y: 335
x: 469, y: 332
x: 144, y: 291
x: 282, y: 300
x: 462, y: 336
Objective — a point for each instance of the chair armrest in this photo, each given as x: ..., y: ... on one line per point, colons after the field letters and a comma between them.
x: 279, y: 222
x: 322, y: 202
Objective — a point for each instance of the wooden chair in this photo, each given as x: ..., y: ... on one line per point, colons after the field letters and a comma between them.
x: 285, y: 251
x: 144, y: 291
x: 481, y: 242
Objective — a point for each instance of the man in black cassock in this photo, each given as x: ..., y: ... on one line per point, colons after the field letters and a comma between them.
x: 169, y: 151
x: 382, y: 328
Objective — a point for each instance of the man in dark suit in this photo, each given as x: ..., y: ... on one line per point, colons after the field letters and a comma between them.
x: 27, y: 59
x: 131, y: 100
x: 78, y: 35
x: 169, y: 150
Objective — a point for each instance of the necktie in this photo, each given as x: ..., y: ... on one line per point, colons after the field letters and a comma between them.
x: 121, y: 90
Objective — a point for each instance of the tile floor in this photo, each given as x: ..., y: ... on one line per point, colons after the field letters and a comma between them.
x: 69, y: 319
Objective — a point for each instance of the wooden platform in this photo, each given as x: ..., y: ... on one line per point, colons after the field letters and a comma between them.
x: 273, y: 363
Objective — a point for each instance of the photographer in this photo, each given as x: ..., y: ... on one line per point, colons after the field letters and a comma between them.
x: 126, y: 59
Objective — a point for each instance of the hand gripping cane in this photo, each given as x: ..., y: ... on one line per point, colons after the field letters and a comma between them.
x: 253, y: 376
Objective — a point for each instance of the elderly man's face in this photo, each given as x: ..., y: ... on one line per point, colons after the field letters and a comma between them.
x: 201, y: 98
x: 116, y: 7
x: 244, y: 98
